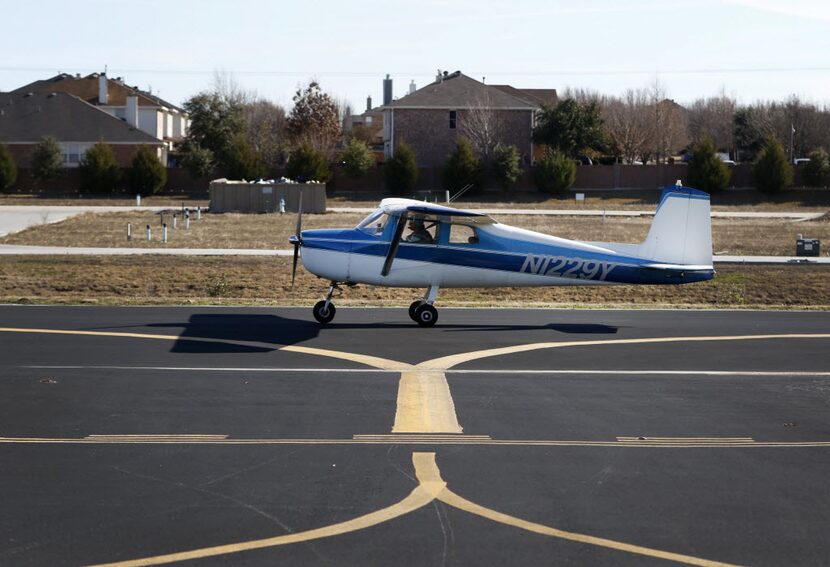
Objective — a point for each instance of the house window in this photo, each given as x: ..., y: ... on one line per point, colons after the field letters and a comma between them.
x: 452, y: 119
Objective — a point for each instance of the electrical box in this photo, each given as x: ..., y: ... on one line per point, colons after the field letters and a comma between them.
x: 807, y: 246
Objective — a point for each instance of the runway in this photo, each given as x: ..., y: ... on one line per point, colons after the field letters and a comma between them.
x: 501, y: 436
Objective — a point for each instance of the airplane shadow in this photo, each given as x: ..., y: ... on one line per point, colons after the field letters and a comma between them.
x: 226, y: 333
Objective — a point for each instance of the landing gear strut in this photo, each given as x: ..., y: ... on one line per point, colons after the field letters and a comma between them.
x: 422, y: 311
x: 324, y: 310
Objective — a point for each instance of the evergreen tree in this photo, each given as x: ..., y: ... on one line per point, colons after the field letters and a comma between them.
x: 47, y: 160
x: 401, y: 170
x: 198, y: 161
x: 816, y: 172
x: 243, y: 162
x: 571, y: 127
x: 100, y: 172
x: 772, y: 172
x: 462, y: 167
x: 147, y: 175
x: 506, y: 165
x: 706, y: 171
x: 555, y: 173
x: 215, y: 121
x: 8, y: 169
x: 307, y: 164
x: 357, y: 158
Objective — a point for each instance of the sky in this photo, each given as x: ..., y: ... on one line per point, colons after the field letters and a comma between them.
x: 749, y: 49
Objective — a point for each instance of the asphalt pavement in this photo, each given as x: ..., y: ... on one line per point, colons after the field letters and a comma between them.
x: 252, y: 436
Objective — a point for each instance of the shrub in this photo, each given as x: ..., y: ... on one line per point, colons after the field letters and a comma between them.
x: 100, y: 172
x: 400, y: 172
x: 357, y: 158
x: 462, y: 167
x: 554, y: 173
x: 242, y: 161
x: 816, y: 172
x: 706, y: 171
x: 506, y: 166
x: 47, y: 161
x: 772, y: 172
x: 8, y: 169
x: 147, y: 174
x: 307, y: 164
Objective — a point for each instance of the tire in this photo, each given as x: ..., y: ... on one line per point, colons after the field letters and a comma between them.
x: 415, y: 305
x: 426, y: 315
x: 326, y: 316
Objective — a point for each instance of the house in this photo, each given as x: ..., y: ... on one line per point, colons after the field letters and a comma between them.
x: 139, y: 109
x: 431, y: 119
x: 76, y: 124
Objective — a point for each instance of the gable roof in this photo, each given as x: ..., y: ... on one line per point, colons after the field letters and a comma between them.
x: 86, y: 88
x: 457, y: 90
x: 28, y: 117
x: 548, y: 97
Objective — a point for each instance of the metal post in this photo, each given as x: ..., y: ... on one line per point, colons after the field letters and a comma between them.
x: 138, y: 200
x: 129, y: 231
x: 199, y: 213
x: 164, y: 233
x: 187, y: 220
x: 174, y: 221
x: 447, y: 196
x: 149, y: 233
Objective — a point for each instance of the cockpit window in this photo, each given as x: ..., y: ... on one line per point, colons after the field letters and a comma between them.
x: 374, y: 223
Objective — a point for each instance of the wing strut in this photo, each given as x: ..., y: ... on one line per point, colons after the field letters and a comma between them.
x: 393, y: 246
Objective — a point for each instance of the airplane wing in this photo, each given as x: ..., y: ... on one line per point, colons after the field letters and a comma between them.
x: 430, y: 211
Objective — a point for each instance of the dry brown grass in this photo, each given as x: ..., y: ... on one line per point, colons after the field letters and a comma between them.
x: 232, y: 230
x: 267, y: 281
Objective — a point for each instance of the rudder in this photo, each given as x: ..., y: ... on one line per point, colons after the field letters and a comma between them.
x: 681, y: 232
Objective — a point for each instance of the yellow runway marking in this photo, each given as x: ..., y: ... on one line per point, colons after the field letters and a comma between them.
x: 430, y: 487
x: 93, y: 333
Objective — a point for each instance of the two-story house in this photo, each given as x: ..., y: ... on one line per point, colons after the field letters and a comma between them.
x: 432, y: 118
x: 139, y: 109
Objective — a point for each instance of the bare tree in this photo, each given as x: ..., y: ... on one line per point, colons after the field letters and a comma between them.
x: 628, y: 124
x: 315, y: 119
x: 668, y: 124
x: 714, y: 117
x: 264, y: 124
x: 483, y: 126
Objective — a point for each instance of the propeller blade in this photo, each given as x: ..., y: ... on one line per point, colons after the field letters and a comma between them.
x: 294, y: 266
x: 393, y: 246
x: 299, y: 228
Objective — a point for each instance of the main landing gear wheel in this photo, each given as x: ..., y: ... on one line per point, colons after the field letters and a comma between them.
x: 322, y: 313
x: 426, y: 315
x: 415, y: 305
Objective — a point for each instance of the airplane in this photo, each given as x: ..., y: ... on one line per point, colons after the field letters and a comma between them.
x: 466, y: 249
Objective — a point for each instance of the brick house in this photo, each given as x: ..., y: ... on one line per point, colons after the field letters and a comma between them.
x: 431, y: 119
x: 139, y: 109
x: 77, y: 125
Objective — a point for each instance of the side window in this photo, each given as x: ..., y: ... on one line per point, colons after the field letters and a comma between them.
x: 419, y: 231
x: 463, y: 234
x: 453, y: 118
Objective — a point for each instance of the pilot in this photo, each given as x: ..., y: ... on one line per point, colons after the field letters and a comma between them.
x: 420, y: 234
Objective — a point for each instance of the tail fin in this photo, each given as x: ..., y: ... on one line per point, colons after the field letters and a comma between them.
x: 681, y: 232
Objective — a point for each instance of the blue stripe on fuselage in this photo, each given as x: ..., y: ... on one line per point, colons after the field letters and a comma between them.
x: 537, y: 258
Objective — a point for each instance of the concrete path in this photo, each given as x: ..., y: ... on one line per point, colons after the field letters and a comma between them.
x: 20, y: 250
x: 14, y: 218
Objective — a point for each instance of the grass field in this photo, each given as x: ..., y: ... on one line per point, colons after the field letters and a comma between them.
x: 147, y: 280
x: 232, y: 230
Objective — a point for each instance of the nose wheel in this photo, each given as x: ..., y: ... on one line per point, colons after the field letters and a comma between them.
x: 324, y: 310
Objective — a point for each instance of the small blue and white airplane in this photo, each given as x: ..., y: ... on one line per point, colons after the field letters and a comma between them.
x: 408, y: 243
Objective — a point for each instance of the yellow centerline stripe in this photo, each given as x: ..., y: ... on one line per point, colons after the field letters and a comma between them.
x: 94, y: 333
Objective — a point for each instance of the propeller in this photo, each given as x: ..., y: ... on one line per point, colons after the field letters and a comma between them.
x: 393, y: 246
x: 296, y: 239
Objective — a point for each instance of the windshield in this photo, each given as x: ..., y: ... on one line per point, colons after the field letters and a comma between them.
x: 374, y: 223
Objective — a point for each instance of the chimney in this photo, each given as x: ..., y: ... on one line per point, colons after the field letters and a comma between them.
x: 102, y: 89
x: 387, y: 90
x: 132, y: 111
x: 412, y: 87
x: 368, y: 103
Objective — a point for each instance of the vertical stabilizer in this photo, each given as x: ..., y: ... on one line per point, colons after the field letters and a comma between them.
x: 682, y: 229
